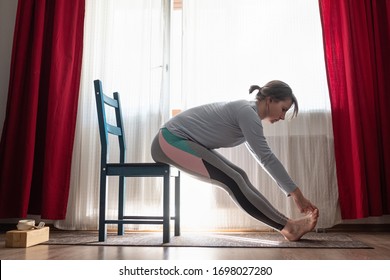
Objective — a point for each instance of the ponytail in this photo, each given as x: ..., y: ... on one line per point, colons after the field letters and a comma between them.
x: 253, y: 88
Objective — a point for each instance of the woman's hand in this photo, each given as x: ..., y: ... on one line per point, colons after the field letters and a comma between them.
x: 304, y: 205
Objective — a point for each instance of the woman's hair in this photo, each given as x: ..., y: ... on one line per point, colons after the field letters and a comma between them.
x: 278, y: 91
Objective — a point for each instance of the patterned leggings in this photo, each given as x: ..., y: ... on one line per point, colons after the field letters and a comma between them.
x: 207, y: 164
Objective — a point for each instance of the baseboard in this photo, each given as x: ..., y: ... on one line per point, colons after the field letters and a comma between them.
x: 337, y: 228
x: 358, y: 228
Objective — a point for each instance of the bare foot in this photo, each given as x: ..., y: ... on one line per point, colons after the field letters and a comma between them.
x: 295, y: 229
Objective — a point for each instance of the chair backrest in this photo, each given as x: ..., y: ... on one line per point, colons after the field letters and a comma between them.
x: 103, y: 102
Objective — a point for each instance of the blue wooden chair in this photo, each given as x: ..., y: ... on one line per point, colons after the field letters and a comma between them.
x: 124, y: 169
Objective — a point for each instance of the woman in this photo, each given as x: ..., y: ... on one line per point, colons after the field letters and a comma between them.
x: 188, y: 142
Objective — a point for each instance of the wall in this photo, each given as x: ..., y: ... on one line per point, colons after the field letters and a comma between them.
x: 7, y: 24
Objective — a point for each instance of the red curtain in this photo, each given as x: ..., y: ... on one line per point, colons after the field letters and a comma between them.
x: 37, y: 139
x: 356, y: 38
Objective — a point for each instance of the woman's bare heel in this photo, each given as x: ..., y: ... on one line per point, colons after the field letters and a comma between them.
x: 295, y: 229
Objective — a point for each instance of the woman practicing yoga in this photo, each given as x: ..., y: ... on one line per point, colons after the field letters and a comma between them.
x: 188, y: 142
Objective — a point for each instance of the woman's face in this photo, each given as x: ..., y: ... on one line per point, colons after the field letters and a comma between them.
x: 276, y: 109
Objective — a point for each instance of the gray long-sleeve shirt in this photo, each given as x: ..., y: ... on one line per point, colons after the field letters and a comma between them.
x: 228, y: 124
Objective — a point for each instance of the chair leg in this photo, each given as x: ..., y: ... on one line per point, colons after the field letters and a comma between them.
x: 166, y: 212
x: 121, y: 204
x: 102, y: 208
x: 177, y: 204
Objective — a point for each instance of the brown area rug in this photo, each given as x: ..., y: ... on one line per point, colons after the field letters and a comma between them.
x: 190, y: 239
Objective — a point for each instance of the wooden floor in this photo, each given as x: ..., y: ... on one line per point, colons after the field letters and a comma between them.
x: 380, y: 241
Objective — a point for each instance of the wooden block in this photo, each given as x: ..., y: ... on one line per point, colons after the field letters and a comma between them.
x: 26, y: 238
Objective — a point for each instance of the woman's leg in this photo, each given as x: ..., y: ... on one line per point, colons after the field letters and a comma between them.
x: 249, y: 184
x: 202, y: 162
x: 294, y: 229
x: 207, y: 164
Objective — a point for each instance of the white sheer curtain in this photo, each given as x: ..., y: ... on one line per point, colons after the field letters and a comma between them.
x: 228, y: 45
x: 123, y: 47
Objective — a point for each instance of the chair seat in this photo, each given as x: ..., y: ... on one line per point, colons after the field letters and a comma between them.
x: 137, y: 169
